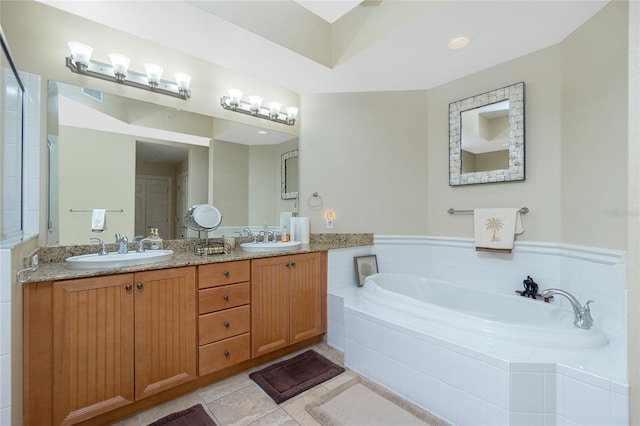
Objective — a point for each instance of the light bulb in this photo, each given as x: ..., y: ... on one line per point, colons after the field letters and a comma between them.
x: 234, y: 97
x: 183, y: 81
x: 256, y: 103
x: 120, y: 65
x: 292, y: 113
x: 154, y: 72
x: 81, y: 54
x: 274, y: 110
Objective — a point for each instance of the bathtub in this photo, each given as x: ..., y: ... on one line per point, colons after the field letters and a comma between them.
x: 504, y: 317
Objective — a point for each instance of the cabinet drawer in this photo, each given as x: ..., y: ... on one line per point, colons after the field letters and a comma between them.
x: 223, y: 354
x: 216, y: 274
x: 223, y: 324
x: 224, y: 297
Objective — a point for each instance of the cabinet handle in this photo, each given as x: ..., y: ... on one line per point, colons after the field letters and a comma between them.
x: 226, y: 297
x: 226, y: 274
x: 288, y: 265
x: 226, y: 354
x: 226, y: 324
x: 293, y: 264
x: 140, y: 286
x: 128, y: 287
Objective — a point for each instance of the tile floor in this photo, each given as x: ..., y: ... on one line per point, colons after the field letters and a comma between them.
x: 238, y: 401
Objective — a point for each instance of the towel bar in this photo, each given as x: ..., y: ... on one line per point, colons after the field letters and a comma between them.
x: 523, y: 210
x: 91, y: 210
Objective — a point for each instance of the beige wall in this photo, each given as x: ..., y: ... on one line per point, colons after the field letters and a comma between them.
x: 230, y: 184
x: 380, y: 160
x: 366, y: 155
x: 594, y: 131
x: 93, y: 177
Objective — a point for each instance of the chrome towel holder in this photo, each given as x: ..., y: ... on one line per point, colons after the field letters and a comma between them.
x: 523, y: 210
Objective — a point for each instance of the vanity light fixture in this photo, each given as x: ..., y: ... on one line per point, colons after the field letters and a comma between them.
x: 254, y: 107
x: 118, y: 72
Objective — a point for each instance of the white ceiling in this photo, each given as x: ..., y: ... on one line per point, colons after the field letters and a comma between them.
x: 412, y: 57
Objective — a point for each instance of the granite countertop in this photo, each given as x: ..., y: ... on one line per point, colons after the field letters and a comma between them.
x: 52, y: 266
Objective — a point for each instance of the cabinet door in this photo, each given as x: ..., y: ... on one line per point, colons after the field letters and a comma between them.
x: 92, y: 346
x: 269, y: 305
x: 308, y: 290
x: 165, y: 329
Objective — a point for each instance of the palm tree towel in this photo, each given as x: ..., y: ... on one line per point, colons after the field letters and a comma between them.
x: 495, y: 229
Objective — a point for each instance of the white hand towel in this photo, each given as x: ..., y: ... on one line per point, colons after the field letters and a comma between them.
x: 98, y: 220
x: 495, y: 229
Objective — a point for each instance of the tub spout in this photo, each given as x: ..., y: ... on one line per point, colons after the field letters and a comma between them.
x: 582, y: 313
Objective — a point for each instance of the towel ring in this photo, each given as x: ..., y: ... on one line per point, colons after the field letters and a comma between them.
x: 317, y: 204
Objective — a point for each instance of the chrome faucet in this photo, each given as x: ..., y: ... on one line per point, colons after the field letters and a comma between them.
x: 582, y: 313
x: 124, y: 244
x: 102, y: 247
x: 265, y: 238
x: 141, y: 241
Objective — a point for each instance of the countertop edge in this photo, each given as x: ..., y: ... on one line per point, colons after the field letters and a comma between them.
x: 58, y: 270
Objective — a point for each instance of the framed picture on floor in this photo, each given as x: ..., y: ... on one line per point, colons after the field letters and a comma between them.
x: 365, y: 266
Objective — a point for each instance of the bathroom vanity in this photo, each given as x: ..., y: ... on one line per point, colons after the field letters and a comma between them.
x: 101, y: 347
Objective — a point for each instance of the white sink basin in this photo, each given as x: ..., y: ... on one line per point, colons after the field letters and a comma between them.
x: 265, y: 247
x: 117, y: 260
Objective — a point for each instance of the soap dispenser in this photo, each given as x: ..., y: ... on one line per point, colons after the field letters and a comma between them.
x: 156, y: 241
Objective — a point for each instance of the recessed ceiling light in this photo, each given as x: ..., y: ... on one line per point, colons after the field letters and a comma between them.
x: 458, y: 43
x: 262, y: 132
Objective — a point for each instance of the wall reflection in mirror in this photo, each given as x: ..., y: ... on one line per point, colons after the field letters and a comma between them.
x: 486, y: 137
x: 154, y: 162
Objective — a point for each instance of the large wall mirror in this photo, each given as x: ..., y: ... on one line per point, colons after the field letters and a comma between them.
x: 147, y: 164
x: 486, y: 137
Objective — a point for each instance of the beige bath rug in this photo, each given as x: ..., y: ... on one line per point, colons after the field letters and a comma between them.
x: 359, y: 402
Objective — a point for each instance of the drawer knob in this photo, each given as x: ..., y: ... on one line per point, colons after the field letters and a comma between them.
x: 226, y: 324
x: 226, y: 297
x: 293, y: 264
x: 226, y: 274
x: 140, y: 286
x: 128, y: 287
x: 226, y: 354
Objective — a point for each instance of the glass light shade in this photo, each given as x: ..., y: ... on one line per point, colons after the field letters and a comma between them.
x: 154, y: 72
x: 256, y: 103
x: 274, y: 109
x: 80, y: 52
x: 235, y: 95
x: 120, y: 64
x: 183, y: 80
x: 292, y: 113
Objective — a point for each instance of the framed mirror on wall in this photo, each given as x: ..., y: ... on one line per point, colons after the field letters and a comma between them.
x: 289, y: 175
x: 486, y: 137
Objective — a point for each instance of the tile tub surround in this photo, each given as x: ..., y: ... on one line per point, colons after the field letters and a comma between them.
x: 500, y: 383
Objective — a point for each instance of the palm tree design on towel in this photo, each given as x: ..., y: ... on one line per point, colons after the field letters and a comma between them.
x: 494, y: 224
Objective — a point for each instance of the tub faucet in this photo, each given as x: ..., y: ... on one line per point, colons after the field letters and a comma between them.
x: 582, y: 313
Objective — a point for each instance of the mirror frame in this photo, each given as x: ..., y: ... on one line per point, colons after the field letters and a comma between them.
x: 516, y: 171
x: 283, y: 175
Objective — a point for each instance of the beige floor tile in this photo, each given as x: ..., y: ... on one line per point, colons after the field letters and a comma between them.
x: 178, y: 404
x: 225, y: 387
x: 242, y: 407
x: 276, y: 418
x: 129, y: 421
x: 295, y: 406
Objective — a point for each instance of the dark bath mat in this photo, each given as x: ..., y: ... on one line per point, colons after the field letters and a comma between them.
x: 193, y: 416
x: 288, y: 378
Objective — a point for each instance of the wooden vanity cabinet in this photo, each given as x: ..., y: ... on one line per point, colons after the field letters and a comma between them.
x: 288, y: 300
x: 114, y: 339
x: 224, y: 321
